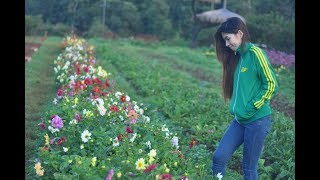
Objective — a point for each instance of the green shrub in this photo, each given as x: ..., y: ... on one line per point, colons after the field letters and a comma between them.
x: 34, y: 25
x: 273, y: 30
x: 59, y: 29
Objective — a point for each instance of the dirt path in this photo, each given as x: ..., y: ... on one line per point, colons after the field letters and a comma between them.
x: 29, y: 49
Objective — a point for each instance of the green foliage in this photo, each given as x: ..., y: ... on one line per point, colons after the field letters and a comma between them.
x: 168, y: 19
x: 59, y: 29
x: 205, y: 37
x: 155, y: 16
x: 273, y: 30
x: 179, y: 87
x: 97, y: 29
x: 123, y: 18
x: 39, y: 89
x: 34, y: 25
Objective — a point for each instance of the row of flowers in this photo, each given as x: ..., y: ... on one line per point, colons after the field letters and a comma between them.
x: 92, y: 130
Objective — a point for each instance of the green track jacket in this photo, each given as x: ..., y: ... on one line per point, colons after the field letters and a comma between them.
x: 254, y: 85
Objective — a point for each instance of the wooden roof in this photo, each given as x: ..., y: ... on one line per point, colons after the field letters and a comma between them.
x: 217, y: 15
x: 212, y: 1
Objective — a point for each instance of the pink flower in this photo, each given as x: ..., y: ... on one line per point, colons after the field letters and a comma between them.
x: 132, y: 115
x: 59, y: 93
x: 57, y: 122
x: 110, y: 174
x: 150, y: 168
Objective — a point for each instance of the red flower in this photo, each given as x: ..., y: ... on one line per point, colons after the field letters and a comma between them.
x: 85, y: 69
x: 78, y: 71
x: 60, y: 92
x: 114, y: 108
x: 150, y: 168
x: 165, y: 177
x: 119, y: 137
x: 107, y: 83
x: 61, y: 140
x: 129, y: 130
x: 87, y: 81
x: 193, y: 142
x: 96, y: 89
x: 96, y: 80
x: 123, y: 98
x: 42, y: 125
x: 45, y: 148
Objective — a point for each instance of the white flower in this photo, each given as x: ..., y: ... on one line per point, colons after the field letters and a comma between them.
x: 127, y: 98
x: 164, y: 128
x: 115, y: 142
x: 118, y: 94
x: 65, y: 149
x: 53, y: 130
x: 136, y: 108
x: 81, y: 146
x: 73, y: 121
x: 152, y: 153
x: 133, y: 137
x: 100, y: 101
x: 146, y: 119
x: 102, y: 110
x: 220, y: 176
x: 85, y: 136
x: 175, y: 142
x: 55, y: 101
x: 148, y: 144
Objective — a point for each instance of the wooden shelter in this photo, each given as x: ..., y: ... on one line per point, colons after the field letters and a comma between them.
x: 210, y: 18
x: 217, y: 16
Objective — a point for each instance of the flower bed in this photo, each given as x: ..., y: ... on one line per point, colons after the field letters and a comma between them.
x: 94, y: 131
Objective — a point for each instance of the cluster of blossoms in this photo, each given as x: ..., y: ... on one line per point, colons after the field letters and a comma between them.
x: 95, y: 131
x: 280, y: 58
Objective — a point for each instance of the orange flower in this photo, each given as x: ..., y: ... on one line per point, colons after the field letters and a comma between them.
x: 132, y: 115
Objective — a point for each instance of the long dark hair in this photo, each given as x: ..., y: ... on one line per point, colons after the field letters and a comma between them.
x: 227, y: 57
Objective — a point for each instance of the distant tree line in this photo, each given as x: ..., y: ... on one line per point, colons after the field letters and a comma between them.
x: 271, y: 22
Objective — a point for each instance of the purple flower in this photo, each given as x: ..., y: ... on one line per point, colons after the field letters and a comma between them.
x: 77, y: 116
x: 57, y: 122
x: 110, y: 174
x: 280, y: 58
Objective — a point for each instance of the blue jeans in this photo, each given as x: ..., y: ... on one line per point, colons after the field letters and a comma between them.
x: 252, y: 135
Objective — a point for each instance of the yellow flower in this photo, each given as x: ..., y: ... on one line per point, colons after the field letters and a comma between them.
x: 119, y: 174
x: 93, y: 161
x: 39, y: 169
x: 152, y: 153
x: 140, y: 165
x: 151, y: 159
x: 167, y: 170
x: 47, y: 139
x: 76, y: 101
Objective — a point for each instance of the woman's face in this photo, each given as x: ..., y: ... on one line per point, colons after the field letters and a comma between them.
x: 233, y: 41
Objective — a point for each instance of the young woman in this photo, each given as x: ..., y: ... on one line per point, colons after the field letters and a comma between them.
x: 248, y: 83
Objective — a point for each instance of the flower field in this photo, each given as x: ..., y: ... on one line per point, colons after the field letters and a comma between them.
x: 128, y: 110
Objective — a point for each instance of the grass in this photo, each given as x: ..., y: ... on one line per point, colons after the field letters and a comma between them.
x: 174, y: 67
x: 39, y: 90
